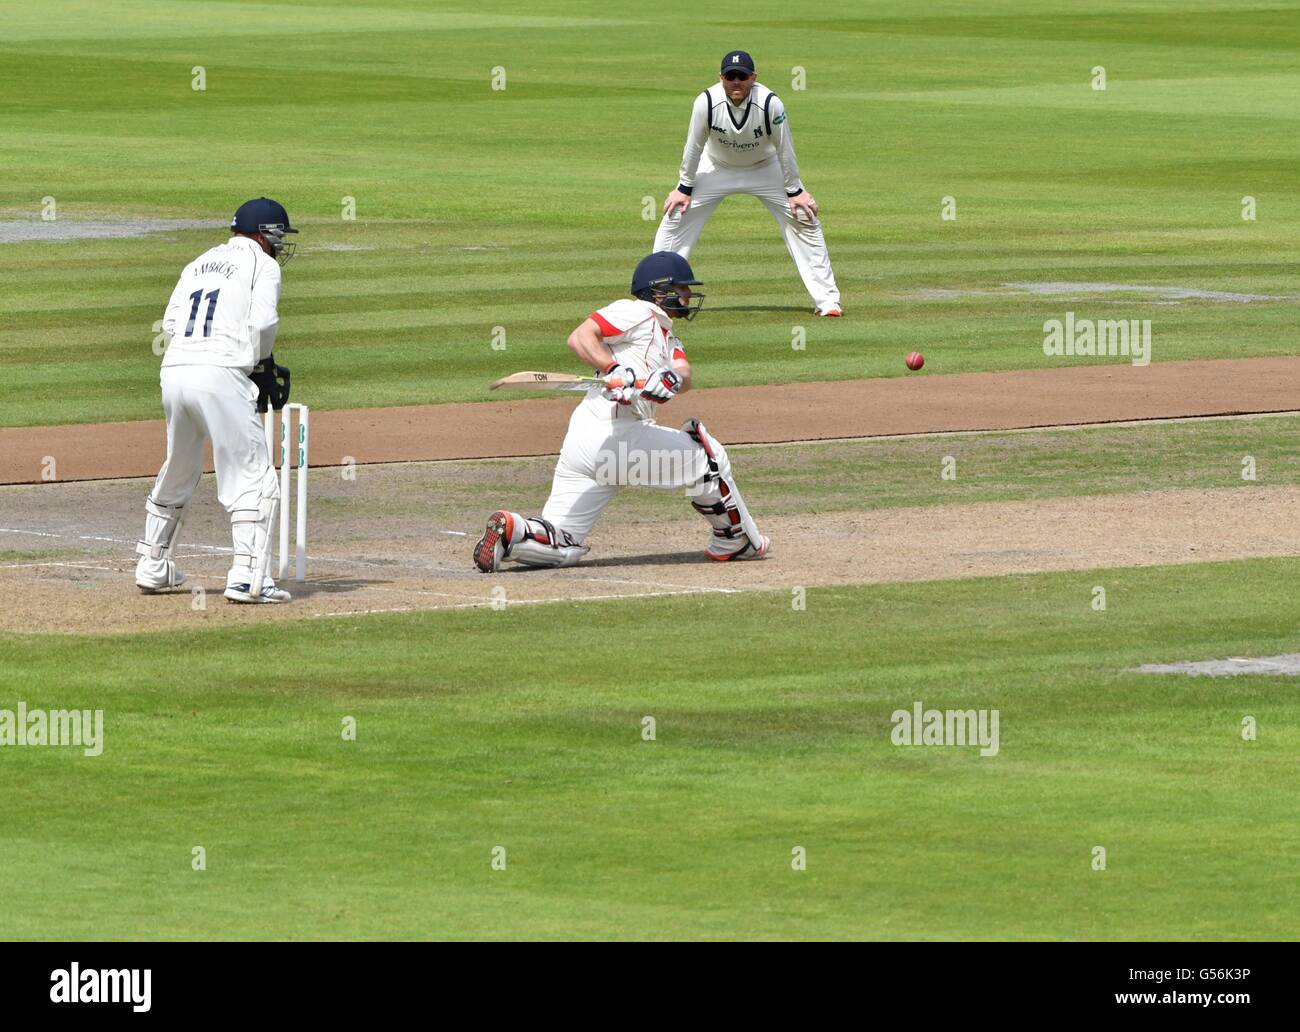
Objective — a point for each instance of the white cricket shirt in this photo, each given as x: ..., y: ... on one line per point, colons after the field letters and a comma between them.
x: 223, y: 311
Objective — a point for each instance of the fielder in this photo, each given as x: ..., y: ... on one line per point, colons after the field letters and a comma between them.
x: 217, y: 371
x: 614, y: 441
x: 739, y: 142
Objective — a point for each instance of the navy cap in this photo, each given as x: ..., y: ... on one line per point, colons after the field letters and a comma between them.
x: 261, y: 213
x: 737, y: 61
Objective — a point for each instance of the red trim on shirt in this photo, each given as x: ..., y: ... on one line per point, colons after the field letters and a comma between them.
x: 607, y: 328
x: 678, y: 353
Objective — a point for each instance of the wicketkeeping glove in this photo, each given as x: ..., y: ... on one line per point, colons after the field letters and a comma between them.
x: 662, y: 385
x: 272, y: 384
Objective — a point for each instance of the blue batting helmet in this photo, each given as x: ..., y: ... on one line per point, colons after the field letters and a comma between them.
x: 658, y: 274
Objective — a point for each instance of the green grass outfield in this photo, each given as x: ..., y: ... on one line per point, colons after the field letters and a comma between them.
x: 522, y: 208
x: 772, y: 732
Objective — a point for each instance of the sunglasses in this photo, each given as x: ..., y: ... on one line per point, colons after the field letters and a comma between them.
x: 736, y: 76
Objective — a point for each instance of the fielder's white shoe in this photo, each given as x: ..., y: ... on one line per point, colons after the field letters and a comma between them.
x: 270, y: 593
x: 832, y: 311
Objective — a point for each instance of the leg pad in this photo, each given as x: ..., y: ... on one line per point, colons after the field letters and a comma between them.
x: 545, y: 545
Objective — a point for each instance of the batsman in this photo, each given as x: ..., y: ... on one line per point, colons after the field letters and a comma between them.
x: 614, y: 440
x: 217, y: 373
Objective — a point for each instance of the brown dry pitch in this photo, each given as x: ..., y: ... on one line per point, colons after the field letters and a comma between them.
x: 382, y: 544
x: 913, y: 404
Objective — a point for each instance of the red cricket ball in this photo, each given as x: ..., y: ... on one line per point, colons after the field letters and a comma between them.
x: 915, y: 360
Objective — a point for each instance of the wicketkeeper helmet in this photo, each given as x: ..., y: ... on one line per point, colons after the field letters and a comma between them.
x: 268, y: 217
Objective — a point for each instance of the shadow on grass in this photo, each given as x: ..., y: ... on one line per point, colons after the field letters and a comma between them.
x: 806, y: 309
x: 695, y: 557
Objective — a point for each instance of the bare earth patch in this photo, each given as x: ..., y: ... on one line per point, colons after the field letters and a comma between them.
x: 398, y: 536
x: 60, y: 230
x: 1285, y: 665
x: 415, y: 555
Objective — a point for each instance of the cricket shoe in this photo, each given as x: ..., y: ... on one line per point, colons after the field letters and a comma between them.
x: 491, y: 547
x: 830, y: 311
x: 748, y: 552
x: 270, y: 594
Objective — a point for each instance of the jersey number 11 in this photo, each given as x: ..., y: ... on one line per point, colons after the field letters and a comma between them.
x: 194, y: 311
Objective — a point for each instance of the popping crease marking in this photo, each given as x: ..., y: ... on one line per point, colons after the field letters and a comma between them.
x: 75, y: 566
x: 221, y: 549
x: 536, y: 602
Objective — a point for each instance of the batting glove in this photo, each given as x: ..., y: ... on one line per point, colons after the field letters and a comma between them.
x: 662, y: 385
x: 620, y: 383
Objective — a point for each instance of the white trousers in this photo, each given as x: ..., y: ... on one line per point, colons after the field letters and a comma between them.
x: 599, y: 456
x: 217, y: 403
x: 804, y: 240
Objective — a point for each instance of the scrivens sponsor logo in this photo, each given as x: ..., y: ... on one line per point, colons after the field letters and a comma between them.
x: 726, y: 140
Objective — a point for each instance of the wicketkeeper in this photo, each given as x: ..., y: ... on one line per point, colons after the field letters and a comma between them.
x: 217, y: 373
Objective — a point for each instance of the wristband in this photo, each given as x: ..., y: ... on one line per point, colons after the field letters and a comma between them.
x: 684, y: 189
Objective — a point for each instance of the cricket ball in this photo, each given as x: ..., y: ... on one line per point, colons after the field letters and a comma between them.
x: 915, y: 360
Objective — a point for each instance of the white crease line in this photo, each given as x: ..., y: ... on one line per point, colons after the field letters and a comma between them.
x: 626, y: 580
x: 1120, y: 424
x: 599, y: 598
x: 424, y: 591
x: 77, y: 566
x: 224, y: 550
x: 372, y: 612
x: 397, y: 567
x: 686, y: 589
x: 402, y: 591
x: 488, y: 604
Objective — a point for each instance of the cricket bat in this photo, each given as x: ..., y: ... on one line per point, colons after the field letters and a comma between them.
x: 532, y: 380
